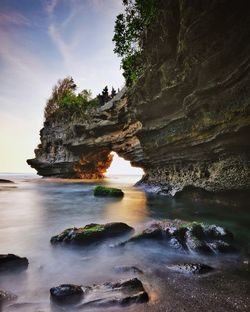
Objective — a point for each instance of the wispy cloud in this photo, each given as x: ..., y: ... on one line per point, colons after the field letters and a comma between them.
x: 50, y: 6
x: 63, y: 47
x: 13, y: 18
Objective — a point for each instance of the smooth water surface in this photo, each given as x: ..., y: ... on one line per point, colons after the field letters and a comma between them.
x: 34, y: 209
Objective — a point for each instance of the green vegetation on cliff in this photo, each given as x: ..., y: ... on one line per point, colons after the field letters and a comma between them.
x: 128, y: 35
x: 65, y: 99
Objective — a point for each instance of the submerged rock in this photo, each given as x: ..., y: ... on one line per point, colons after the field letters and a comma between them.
x: 127, y: 269
x: 13, y: 262
x: 190, y: 268
x: 67, y: 293
x: 6, y: 181
x: 116, y: 293
x: 91, y: 233
x: 187, y: 237
x: 108, y: 191
x: 6, y: 296
x: 110, y: 294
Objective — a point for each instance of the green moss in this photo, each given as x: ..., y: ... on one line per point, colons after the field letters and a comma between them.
x: 93, y: 229
x: 108, y: 191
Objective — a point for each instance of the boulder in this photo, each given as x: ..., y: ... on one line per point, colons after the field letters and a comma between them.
x: 13, y: 262
x: 108, y: 191
x: 121, y: 293
x: 67, y: 293
x: 91, y: 233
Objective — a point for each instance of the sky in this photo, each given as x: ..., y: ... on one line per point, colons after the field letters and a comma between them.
x: 42, y: 41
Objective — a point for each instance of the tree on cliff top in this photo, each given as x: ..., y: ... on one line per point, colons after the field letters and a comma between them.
x: 64, y: 98
x: 105, y: 96
x: 62, y: 87
x: 128, y: 35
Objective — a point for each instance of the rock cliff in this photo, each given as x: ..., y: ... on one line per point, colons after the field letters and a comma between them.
x: 185, y: 122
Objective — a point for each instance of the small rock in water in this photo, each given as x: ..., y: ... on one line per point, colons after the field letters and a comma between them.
x: 108, y: 191
x: 91, y: 233
x: 13, y: 262
x: 6, y: 296
x: 127, y: 269
x: 190, y: 268
x: 67, y: 293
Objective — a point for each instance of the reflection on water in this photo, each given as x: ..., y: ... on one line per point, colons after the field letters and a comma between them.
x: 37, y: 209
x: 131, y: 209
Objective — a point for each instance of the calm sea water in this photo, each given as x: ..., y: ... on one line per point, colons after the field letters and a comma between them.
x: 34, y: 209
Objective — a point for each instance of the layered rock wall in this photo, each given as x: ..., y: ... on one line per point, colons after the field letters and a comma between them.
x: 186, y: 121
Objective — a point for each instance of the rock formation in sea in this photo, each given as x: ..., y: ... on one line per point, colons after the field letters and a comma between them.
x: 185, y: 121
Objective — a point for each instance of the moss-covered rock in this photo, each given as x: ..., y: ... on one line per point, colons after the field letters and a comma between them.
x: 187, y: 236
x: 91, y: 233
x: 108, y: 191
x: 151, y: 233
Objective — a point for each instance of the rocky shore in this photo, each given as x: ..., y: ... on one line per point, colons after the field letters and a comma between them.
x: 135, y: 288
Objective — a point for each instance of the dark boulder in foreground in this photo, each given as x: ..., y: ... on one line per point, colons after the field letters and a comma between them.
x: 6, y: 296
x: 190, y: 268
x: 13, y: 263
x: 111, y: 294
x: 91, y: 233
x: 108, y: 191
x: 6, y: 181
x: 187, y: 237
x: 67, y: 293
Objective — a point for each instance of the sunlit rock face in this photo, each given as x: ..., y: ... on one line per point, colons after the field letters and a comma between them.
x: 185, y: 122
x: 80, y: 146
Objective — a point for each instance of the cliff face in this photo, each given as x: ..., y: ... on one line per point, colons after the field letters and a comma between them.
x: 80, y: 146
x: 186, y: 121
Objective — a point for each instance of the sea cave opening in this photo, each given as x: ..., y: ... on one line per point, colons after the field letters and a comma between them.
x: 120, y: 166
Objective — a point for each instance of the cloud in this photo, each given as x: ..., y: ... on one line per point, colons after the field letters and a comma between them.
x: 61, y: 45
x: 13, y: 18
